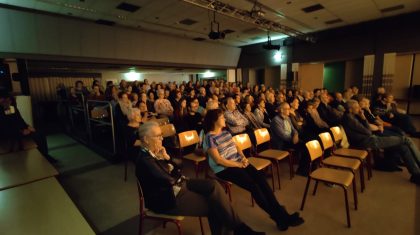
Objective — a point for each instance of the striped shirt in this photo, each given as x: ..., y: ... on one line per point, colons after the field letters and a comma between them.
x: 224, y: 144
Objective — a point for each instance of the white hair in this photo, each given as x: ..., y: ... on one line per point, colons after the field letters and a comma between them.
x: 144, y: 129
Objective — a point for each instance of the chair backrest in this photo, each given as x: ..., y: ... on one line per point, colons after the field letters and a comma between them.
x: 262, y: 135
x: 242, y: 141
x: 314, y: 149
x: 188, y: 138
x: 160, y: 121
x: 168, y: 130
x: 326, y: 140
x: 337, y: 134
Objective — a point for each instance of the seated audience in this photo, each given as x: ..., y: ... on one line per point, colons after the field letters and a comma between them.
x: 236, y: 122
x: 359, y: 135
x: 162, y: 105
x: 167, y: 190
x: 194, y: 118
x: 229, y: 163
x: 261, y: 114
x: 13, y: 127
x: 285, y: 136
x: 295, y: 117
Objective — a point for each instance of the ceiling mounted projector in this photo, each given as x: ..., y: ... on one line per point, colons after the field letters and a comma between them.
x: 215, y: 29
x: 268, y: 45
x: 216, y: 35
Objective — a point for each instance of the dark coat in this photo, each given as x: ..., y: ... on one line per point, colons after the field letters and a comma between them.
x: 156, y: 181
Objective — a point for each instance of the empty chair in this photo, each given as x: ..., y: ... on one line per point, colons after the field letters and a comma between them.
x: 328, y: 175
x: 364, y: 156
x: 351, y: 164
x: 244, y: 143
x: 263, y: 136
x: 148, y: 214
x: 189, y: 138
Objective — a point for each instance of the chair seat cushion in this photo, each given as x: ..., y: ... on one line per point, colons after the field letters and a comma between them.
x: 355, y: 153
x: 342, y: 162
x: 333, y: 176
x: 163, y: 216
x: 259, y: 163
x: 274, y: 154
x: 194, y: 157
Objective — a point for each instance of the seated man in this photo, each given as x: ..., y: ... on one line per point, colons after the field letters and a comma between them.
x: 331, y: 116
x: 236, y: 122
x: 285, y: 136
x: 12, y: 125
x: 167, y: 191
x: 359, y: 135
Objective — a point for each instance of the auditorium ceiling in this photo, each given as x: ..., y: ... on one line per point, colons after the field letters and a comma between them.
x: 182, y: 19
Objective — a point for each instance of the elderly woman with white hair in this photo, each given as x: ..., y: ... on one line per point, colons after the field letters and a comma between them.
x: 167, y: 191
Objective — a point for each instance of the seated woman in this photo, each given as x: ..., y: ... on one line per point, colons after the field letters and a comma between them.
x: 134, y: 120
x: 296, y: 118
x: 180, y: 113
x: 261, y: 114
x: 229, y: 163
x: 167, y: 191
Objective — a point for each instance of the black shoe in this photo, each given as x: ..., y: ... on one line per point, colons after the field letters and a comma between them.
x: 295, y: 219
x: 244, y: 229
x: 282, y: 226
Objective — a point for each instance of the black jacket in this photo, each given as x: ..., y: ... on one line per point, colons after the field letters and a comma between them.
x: 11, y: 124
x: 156, y: 181
x: 357, y: 130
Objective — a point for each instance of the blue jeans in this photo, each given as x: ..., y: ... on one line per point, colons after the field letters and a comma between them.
x: 408, y: 150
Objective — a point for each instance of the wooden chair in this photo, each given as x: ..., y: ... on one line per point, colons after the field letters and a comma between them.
x: 328, y: 175
x: 161, y: 121
x: 243, y: 142
x: 147, y: 214
x: 188, y: 138
x: 364, y: 156
x: 274, y: 155
x: 351, y: 164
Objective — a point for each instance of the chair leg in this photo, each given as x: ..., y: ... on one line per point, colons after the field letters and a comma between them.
x: 140, y: 225
x: 362, y: 178
x: 347, y: 207
x: 196, y: 169
x: 315, y: 188
x: 355, y: 193
x: 305, y: 193
x: 229, y: 192
x: 278, y: 173
x: 201, y: 226
x: 178, y: 225
x: 272, y: 176
x: 369, y: 164
x: 292, y: 172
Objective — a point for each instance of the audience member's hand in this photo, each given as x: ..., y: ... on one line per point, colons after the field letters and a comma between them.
x: 161, y: 153
x: 391, y: 115
x: 31, y: 129
x: 381, y: 128
x: 245, y: 162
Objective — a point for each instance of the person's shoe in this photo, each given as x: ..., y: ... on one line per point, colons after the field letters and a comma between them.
x: 295, y: 219
x: 244, y: 229
x: 282, y: 225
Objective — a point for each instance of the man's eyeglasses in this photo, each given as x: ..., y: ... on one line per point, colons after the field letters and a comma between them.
x: 160, y: 136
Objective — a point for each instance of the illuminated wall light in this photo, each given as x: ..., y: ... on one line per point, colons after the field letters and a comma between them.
x: 208, y: 74
x: 278, y: 56
x: 132, y: 76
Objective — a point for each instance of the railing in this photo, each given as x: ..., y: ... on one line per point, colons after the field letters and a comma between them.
x: 78, y: 119
x: 101, y: 125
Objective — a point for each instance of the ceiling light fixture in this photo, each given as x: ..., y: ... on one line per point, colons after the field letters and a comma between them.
x: 245, y: 16
x: 256, y: 11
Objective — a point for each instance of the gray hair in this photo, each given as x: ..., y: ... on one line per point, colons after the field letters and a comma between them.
x: 144, y: 129
x: 132, y: 112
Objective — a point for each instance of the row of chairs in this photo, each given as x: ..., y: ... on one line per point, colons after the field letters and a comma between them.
x: 330, y: 170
